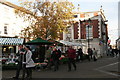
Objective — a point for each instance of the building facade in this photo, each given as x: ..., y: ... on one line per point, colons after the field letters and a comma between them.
x: 10, y: 23
x: 118, y: 40
x: 97, y: 33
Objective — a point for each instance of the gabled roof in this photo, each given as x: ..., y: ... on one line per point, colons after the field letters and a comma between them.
x: 101, y: 13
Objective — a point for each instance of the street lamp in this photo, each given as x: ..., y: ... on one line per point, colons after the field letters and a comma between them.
x: 88, y: 26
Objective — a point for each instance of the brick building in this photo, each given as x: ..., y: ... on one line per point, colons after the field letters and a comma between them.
x: 98, y: 33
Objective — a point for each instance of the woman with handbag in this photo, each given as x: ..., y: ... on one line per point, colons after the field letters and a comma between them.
x: 29, y: 62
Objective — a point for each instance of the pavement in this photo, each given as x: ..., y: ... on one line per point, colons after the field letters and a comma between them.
x: 105, y: 67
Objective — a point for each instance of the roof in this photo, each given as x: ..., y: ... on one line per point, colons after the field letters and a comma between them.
x: 8, y: 4
x: 101, y: 12
x: 71, y: 43
x: 11, y: 41
x: 38, y: 41
x: 15, y: 6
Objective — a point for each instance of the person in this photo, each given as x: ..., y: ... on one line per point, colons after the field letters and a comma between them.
x: 80, y: 54
x: 108, y: 54
x: 36, y: 54
x: 42, y: 53
x: 90, y: 53
x: 111, y: 52
x: 48, y: 56
x: 94, y: 54
x: 20, y: 55
x: 59, y: 55
x: 71, y: 54
x: 55, y: 58
x: 116, y: 52
x: 48, y: 53
x: 29, y: 63
x: 119, y: 52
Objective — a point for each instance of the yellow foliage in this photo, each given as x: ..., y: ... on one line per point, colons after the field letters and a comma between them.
x: 50, y: 18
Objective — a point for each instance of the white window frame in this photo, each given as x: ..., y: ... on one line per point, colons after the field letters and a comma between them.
x: 90, y: 32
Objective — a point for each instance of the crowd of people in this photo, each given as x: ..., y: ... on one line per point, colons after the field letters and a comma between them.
x: 113, y: 52
x: 26, y: 59
x: 53, y: 56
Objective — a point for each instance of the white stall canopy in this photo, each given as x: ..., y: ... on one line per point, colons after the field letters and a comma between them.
x: 71, y: 43
x: 11, y: 41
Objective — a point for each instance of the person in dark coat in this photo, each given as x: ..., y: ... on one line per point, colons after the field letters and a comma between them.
x: 71, y: 54
x: 59, y: 55
x: 48, y: 57
x: 55, y: 58
x: 80, y: 54
x: 116, y: 52
x: 42, y: 54
x: 90, y: 53
x: 36, y: 54
x: 20, y: 55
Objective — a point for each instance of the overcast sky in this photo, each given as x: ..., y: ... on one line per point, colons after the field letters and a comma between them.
x: 110, y: 8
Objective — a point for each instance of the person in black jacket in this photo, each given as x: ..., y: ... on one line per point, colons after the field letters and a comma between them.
x: 59, y: 55
x: 80, y: 54
x: 90, y: 53
x: 42, y: 53
x: 55, y: 58
x: 20, y: 55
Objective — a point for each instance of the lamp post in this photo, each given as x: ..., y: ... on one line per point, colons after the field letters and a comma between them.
x: 88, y: 26
x: 88, y: 36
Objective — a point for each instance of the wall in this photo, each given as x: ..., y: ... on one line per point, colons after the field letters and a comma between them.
x: 13, y: 22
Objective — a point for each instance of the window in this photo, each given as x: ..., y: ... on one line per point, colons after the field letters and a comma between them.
x: 90, y: 32
x: 68, y: 35
x: 75, y: 16
x: 5, y: 29
x: 6, y: 10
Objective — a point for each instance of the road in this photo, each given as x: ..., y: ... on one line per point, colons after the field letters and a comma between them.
x: 106, y: 67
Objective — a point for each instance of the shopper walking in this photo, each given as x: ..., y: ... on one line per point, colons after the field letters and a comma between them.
x: 48, y: 57
x: 80, y: 54
x: 20, y: 56
x: 71, y: 53
x: 94, y: 54
x: 29, y: 62
x: 55, y: 59
x: 90, y: 53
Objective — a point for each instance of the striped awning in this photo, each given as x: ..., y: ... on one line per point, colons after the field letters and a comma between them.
x: 11, y: 41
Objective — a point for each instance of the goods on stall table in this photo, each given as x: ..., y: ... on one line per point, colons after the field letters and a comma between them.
x: 40, y: 65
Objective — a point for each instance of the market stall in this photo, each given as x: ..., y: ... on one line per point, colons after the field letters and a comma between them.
x: 9, y: 47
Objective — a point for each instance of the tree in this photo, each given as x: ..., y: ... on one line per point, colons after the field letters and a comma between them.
x: 48, y: 19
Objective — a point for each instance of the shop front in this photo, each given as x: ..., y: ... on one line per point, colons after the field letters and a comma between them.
x: 9, y: 46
